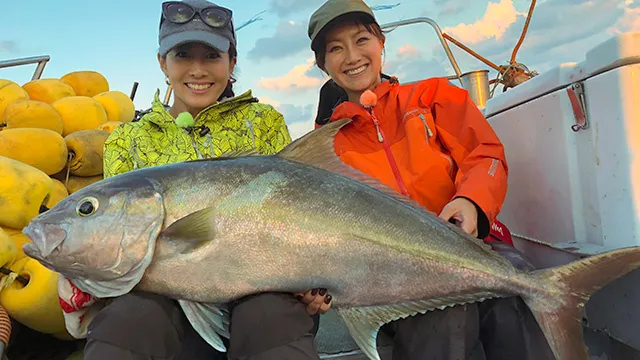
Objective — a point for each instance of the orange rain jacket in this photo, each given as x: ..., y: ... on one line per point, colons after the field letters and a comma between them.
x: 431, y: 143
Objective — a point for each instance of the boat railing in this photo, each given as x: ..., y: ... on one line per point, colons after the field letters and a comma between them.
x: 40, y: 60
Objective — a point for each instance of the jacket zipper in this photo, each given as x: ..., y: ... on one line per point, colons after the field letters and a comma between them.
x: 390, y: 158
x: 426, y: 127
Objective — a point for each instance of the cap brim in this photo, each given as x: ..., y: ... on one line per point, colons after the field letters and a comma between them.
x: 208, y: 38
x: 323, y: 26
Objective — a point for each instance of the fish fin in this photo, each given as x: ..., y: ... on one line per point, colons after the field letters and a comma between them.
x: 196, y: 228
x: 559, y: 311
x: 205, y: 317
x: 316, y: 149
x: 364, y: 323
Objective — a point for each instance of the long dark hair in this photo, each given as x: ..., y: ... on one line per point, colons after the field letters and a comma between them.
x: 228, y: 91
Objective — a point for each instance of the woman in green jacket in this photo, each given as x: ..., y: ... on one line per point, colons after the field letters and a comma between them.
x: 198, y: 55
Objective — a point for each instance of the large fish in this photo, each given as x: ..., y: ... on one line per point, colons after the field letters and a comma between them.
x: 206, y: 232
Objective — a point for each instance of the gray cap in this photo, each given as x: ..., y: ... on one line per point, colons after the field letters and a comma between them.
x: 172, y: 35
x: 331, y: 10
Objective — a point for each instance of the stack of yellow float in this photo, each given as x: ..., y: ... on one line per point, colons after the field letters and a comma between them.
x: 52, y: 133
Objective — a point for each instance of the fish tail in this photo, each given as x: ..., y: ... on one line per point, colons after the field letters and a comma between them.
x: 562, y: 292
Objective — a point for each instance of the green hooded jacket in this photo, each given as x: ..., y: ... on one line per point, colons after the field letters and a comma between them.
x: 235, y: 124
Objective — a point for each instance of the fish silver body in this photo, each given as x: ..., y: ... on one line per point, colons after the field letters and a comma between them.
x: 207, y: 232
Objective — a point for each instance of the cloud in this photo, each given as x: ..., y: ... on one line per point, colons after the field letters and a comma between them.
x: 300, y: 77
x: 451, y: 10
x: 407, y: 51
x: 286, y: 7
x: 630, y: 21
x: 299, y: 118
x: 269, y: 101
x: 498, y: 17
x: 448, y: 7
x: 300, y: 128
x: 551, y: 38
x: 410, y: 64
x: 8, y: 46
x: 289, y: 39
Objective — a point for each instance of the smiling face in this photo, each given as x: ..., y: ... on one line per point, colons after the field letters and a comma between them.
x: 353, y: 58
x: 198, y: 73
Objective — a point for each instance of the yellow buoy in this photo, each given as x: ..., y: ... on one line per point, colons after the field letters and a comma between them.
x: 43, y: 149
x: 109, y: 126
x: 85, y: 151
x: 10, y: 92
x: 10, y: 231
x: 118, y: 105
x: 78, y: 182
x: 86, y: 82
x: 23, y: 190
x: 32, y: 114
x: 48, y: 90
x: 34, y: 304
x: 8, y: 250
x: 80, y: 113
x: 19, y: 239
x: 58, y: 194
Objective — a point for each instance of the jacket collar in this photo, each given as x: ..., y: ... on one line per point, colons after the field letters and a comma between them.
x: 162, y: 116
x: 353, y: 110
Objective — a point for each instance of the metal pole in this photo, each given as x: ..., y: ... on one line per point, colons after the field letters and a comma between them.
x: 133, y: 90
x: 435, y: 26
x: 40, y: 60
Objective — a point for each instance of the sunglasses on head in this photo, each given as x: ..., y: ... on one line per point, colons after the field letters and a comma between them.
x: 179, y: 13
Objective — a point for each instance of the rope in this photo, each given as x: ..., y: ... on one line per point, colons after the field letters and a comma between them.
x: 21, y: 279
x: 524, y: 32
x: 513, y: 65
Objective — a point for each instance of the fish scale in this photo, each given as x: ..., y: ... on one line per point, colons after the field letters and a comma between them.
x: 207, y: 232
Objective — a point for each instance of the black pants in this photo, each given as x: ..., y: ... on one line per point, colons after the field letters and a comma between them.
x: 143, y: 326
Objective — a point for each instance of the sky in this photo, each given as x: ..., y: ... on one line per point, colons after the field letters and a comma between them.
x: 119, y: 38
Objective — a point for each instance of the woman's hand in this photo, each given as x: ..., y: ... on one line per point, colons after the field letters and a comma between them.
x: 317, y: 301
x: 464, y: 213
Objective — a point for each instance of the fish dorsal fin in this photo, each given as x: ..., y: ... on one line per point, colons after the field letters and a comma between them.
x: 189, y: 232
x: 364, y: 323
x: 316, y: 148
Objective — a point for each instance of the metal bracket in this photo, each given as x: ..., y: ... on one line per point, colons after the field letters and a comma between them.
x: 579, y: 106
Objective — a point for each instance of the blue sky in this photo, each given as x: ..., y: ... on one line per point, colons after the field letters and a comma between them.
x: 119, y: 39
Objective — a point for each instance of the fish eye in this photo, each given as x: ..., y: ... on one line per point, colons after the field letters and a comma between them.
x: 87, y: 206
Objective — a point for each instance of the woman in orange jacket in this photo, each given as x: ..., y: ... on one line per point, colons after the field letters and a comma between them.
x: 429, y: 141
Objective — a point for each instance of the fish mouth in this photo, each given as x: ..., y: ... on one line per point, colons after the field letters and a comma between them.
x: 45, y: 238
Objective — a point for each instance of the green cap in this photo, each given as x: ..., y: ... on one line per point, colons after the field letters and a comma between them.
x: 333, y: 9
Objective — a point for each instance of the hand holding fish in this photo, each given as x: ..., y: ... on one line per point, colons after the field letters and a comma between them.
x: 317, y: 301
x: 464, y: 213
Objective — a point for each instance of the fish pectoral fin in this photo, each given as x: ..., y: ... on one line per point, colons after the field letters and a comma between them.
x: 364, y: 322
x: 204, y: 318
x: 194, y: 229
